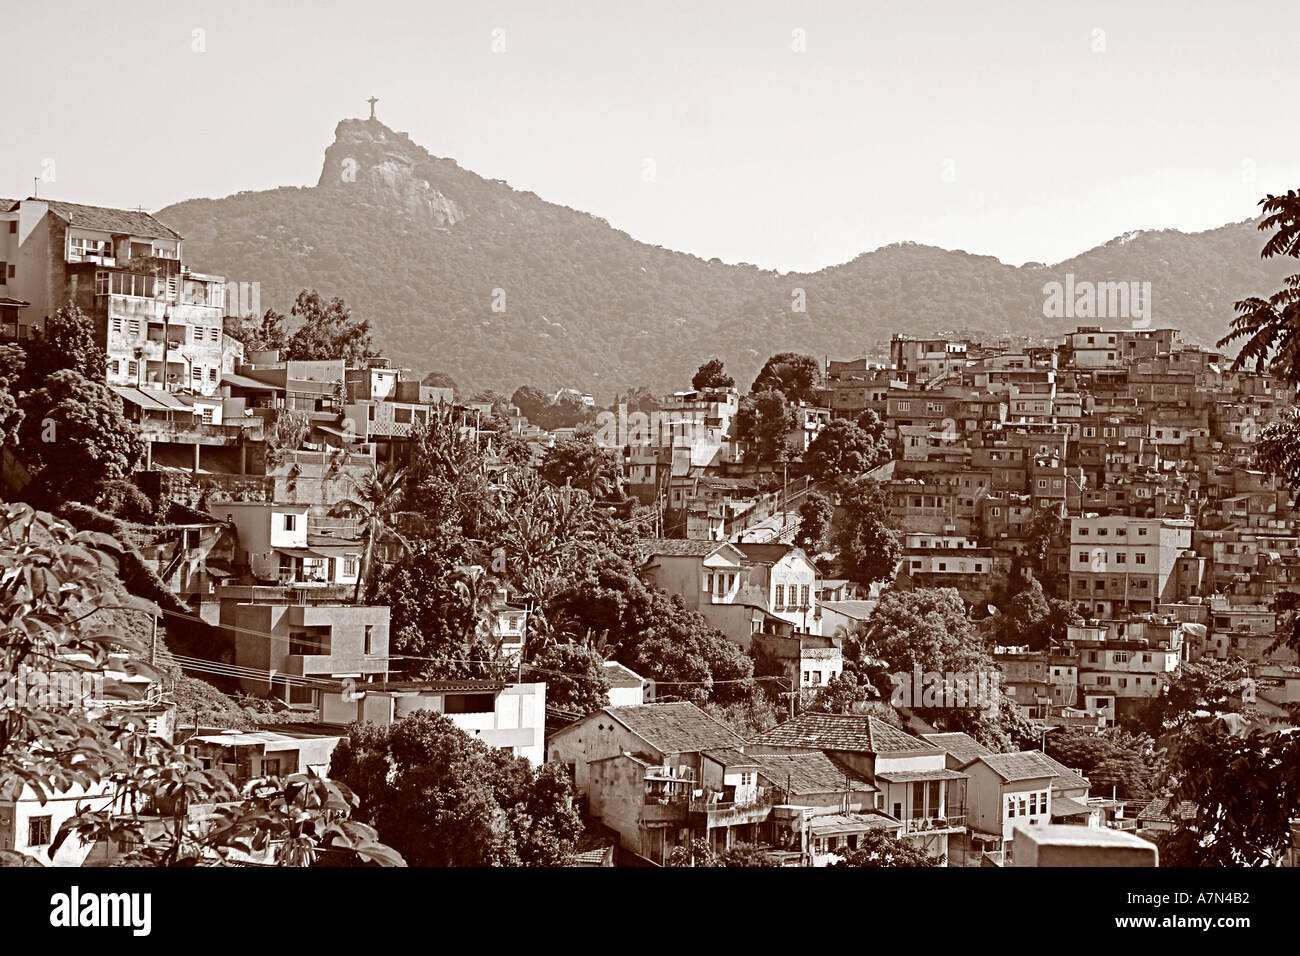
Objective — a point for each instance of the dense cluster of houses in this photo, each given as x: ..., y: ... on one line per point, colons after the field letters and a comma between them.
x: 1175, y: 547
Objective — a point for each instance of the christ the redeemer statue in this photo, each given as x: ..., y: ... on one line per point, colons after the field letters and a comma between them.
x: 372, y: 101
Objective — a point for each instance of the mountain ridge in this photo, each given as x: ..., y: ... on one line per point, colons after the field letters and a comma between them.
x: 499, y: 287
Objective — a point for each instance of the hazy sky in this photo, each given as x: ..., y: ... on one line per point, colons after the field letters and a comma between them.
x: 1027, y: 131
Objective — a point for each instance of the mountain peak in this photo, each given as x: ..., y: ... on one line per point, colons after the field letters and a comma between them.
x: 370, y: 163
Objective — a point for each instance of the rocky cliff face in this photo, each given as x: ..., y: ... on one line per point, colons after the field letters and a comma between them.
x: 376, y: 165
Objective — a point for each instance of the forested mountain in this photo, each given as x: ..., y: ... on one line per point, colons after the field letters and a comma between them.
x: 499, y: 287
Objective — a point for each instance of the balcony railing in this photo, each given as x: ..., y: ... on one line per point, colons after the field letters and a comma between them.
x: 931, y: 824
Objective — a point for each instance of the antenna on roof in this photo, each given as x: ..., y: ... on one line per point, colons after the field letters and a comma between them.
x: 36, y: 186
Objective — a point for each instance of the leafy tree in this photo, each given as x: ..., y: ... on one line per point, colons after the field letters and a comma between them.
x: 796, y: 376
x: 926, y: 628
x: 712, y: 375
x: 697, y: 853
x: 755, y: 715
x: 1246, y: 790
x: 878, y: 848
x: 67, y: 342
x: 439, y: 609
x: 582, y: 462
x: 328, y: 331
x: 1031, y: 618
x: 1271, y: 327
x: 1113, y: 758
x: 500, y: 402
x: 843, y: 450
x: 868, y: 547
x: 653, y: 633
x: 1047, y: 530
x: 842, y: 694
x: 65, y: 609
x: 765, y: 420
x: 641, y: 399
x: 439, y: 380
x: 12, y: 361
x: 380, y: 496
x: 1278, y: 447
x: 74, y: 437
x: 1196, y: 688
x: 531, y: 402
x: 265, y: 335
x: 575, y: 677
x: 443, y: 798
x: 815, y: 514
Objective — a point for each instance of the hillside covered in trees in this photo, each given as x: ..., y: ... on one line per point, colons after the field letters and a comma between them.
x: 498, y: 287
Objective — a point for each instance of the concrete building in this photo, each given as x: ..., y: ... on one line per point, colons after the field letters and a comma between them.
x: 160, y: 323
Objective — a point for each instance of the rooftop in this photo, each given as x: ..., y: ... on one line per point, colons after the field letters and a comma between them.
x: 675, y: 727
x: 105, y: 219
x: 851, y: 733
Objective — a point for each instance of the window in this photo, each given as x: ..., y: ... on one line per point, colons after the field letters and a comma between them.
x: 290, y: 521
x: 780, y: 596
x: 367, y: 646
x: 1121, y: 557
x: 469, y: 704
x: 807, y: 677
x: 349, y: 567
x: 1083, y: 532
x: 134, y: 327
x: 301, y: 644
x: 80, y: 246
x: 270, y: 766
x: 746, y: 778
x: 38, y: 831
x: 215, y: 334
x: 117, y: 326
x: 207, y: 416
x: 132, y: 369
x: 126, y: 283
x: 196, y: 373
x: 803, y: 594
x: 1083, y: 556
x: 212, y: 375
x: 1140, y: 558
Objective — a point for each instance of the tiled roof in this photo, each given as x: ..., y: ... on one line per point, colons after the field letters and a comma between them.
x: 1157, y: 811
x: 912, y: 776
x: 679, y: 546
x: 620, y: 676
x: 854, y: 733
x: 767, y: 552
x: 1025, y: 765
x: 962, y: 747
x: 730, y: 757
x: 858, y: 610
x: 677, y: 727
x: 1066, y: 779
x: 126, y: 221
x: 812, y: 772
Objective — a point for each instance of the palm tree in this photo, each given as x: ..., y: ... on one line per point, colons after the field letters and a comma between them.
x: 379, y: 495
x: 1271, y: 327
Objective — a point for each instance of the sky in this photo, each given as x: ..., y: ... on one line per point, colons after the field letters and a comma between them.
x: 790, y: 135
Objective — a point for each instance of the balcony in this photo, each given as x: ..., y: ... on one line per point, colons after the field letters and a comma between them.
x: 951, y: 823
